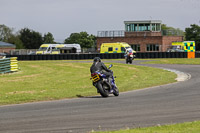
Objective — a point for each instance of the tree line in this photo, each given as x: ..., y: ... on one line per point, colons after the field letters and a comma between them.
x: 30, y: 39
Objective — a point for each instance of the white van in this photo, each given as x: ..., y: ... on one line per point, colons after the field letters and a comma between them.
x: 67, y: 48
x: 59, y: 48
x: 46, y: 48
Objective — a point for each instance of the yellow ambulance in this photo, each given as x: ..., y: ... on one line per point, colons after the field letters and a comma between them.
x: 119, y: 47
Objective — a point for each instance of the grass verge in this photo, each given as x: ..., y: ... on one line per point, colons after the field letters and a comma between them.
x: 51, y: 80
x: 188, y: 127
x: 195, y: 61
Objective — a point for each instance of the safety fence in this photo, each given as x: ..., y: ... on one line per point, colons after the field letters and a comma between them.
x: 102, y: 56
x: 8, y: 65
x: 162, y: 55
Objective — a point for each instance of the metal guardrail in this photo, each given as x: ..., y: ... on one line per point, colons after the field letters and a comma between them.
x: 8, y: 65
x: 5, y: 65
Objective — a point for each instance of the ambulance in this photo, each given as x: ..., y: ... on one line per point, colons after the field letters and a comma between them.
x: 119, y: 47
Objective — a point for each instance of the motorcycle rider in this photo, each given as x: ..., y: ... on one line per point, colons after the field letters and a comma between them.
x: 101, y: 67
x: 128, y: 51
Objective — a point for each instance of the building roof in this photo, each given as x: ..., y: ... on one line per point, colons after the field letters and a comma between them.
x: 4, y: 44
x: 143, y: 22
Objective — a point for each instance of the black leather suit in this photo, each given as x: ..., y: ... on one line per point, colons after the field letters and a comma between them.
x: 100, y: 67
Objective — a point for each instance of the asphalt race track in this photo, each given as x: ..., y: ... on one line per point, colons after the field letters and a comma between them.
x: 173, y: 103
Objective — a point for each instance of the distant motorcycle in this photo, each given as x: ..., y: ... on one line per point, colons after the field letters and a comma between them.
x: 104, y: 85
x: 129, y: 58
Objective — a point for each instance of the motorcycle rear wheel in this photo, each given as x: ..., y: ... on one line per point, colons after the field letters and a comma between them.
x: 102, y: 90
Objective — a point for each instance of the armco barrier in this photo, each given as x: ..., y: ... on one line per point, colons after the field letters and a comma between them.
x: 5, y: 65
x: 102, y: 56
x: 197, y: 54
x: 8, y: 65
x: 162, y: 55
x: 13, y: 64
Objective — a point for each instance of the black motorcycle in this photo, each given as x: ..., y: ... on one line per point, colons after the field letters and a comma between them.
x: 104, y: 85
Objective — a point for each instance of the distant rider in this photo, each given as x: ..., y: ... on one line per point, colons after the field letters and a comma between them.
x: 128, y: 51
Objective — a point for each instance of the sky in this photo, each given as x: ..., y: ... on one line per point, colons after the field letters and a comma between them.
x: 63, y: 17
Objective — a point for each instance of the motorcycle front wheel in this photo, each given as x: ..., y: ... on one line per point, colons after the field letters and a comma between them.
x: 130, y: 60
x: 116, y: 92
x: 103, y: 89
x: 126, y: 61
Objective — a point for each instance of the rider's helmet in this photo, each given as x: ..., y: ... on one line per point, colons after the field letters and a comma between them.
x: 97, y: 59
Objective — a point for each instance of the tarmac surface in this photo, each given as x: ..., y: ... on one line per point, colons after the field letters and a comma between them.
x: 165, y: 104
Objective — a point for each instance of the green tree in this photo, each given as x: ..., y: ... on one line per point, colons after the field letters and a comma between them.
x: 166, y: 30
x: 48, y: 38
x: 192, y: 33
x: 15, y: 39
x: 5, y: 33
x: 31, y: 39
x: 82, y: 38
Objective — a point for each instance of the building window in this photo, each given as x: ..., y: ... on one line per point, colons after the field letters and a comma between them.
x: 157, y: 27
x: 152, y: 47
x: 153, y: 27
x: 128, y: 27
x: 147, y: 27
x: 133, y: 27
x: 143, y: 27
x: 135, y: 47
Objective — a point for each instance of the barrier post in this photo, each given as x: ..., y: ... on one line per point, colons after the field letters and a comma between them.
x: 191, y: 55
x: 13, y: 64
x: 189, y: 47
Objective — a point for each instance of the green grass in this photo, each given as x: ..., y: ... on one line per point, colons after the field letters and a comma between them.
x: 195, y: 61
x: 52, y: 80
x: 188, y: 127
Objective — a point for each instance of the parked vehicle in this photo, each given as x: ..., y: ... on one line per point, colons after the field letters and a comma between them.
x: 46, y: 48
x: 67, y: 48
x: 104, y: 85
x: 185, y: 46
x: 118, y: 47
x: 59, y: 48
x: 2, y: 54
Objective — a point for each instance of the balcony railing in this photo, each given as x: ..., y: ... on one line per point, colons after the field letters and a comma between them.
x: 172, y: 33
x: 121, y: 33
x: 115, y: 33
